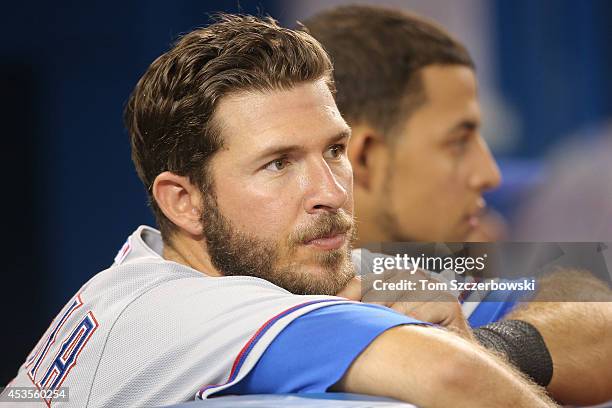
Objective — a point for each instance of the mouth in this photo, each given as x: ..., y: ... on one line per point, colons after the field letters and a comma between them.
x: 473, y: 221
x: 328, y: 242
x: 473, y: 217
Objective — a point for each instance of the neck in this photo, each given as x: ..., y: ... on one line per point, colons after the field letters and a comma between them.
x: 190, y: 252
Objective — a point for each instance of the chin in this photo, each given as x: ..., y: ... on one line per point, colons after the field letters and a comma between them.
x: 460, y: 237
x: 313, y: 280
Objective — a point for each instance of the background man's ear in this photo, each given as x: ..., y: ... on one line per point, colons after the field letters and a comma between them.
x: 364, y: 154
x: 179, y: 200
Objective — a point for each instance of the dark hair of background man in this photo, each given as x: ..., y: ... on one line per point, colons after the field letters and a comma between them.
x: 377, y: 55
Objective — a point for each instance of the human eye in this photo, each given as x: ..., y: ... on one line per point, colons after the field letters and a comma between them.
x: 335, y: 151
x: 279, y: 164
x: 459, y: 144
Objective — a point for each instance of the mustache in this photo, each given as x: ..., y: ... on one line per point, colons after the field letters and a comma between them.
x: 325, y: 225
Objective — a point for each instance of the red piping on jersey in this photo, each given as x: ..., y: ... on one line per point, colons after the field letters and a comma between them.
x: 249, y: 345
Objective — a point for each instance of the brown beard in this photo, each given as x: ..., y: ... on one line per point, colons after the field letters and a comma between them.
x: 235, y: 253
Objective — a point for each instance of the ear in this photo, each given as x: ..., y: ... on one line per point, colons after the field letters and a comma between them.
x: 179, y: 200
x: 364, y: 149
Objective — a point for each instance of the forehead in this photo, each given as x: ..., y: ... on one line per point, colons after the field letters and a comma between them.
x: 258, y: 119
x: 451, y: 98
x: 445, y: 83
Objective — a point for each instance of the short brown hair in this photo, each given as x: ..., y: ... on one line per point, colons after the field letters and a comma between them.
x: 169, y: 115
x: 377, y: 55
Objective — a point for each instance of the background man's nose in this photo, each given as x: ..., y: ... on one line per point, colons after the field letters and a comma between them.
x: 485, y: 173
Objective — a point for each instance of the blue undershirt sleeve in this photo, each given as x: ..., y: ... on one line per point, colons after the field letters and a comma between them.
x: 314, y: 351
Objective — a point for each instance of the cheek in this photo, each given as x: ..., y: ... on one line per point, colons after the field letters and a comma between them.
x: 429, y: 185
x: 262, y: 210
x: 417, y: 180
x: 446, y: 174
x: 451, y: 188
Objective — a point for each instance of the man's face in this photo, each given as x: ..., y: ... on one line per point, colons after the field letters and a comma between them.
x: 440, y: 164
x: 282, y: 205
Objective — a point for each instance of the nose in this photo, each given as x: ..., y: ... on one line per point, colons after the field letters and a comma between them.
x: 485, y: 174
x: 324, y: 192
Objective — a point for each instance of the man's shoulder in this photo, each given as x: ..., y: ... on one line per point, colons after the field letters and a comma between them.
x: 139, y: 265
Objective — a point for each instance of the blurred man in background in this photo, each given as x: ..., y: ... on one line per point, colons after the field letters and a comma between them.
x: 420, y: 164
x: 409, y: 92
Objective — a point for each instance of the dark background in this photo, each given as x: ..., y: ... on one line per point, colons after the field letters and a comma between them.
x: 70, y: 195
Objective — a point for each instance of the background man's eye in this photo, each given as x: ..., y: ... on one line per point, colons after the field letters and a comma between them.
x: 460, y: 144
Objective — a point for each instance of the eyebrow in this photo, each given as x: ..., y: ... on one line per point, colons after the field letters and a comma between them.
x: 273, y: 151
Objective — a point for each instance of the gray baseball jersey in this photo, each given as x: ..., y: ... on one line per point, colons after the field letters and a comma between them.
x: 148, y: 332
